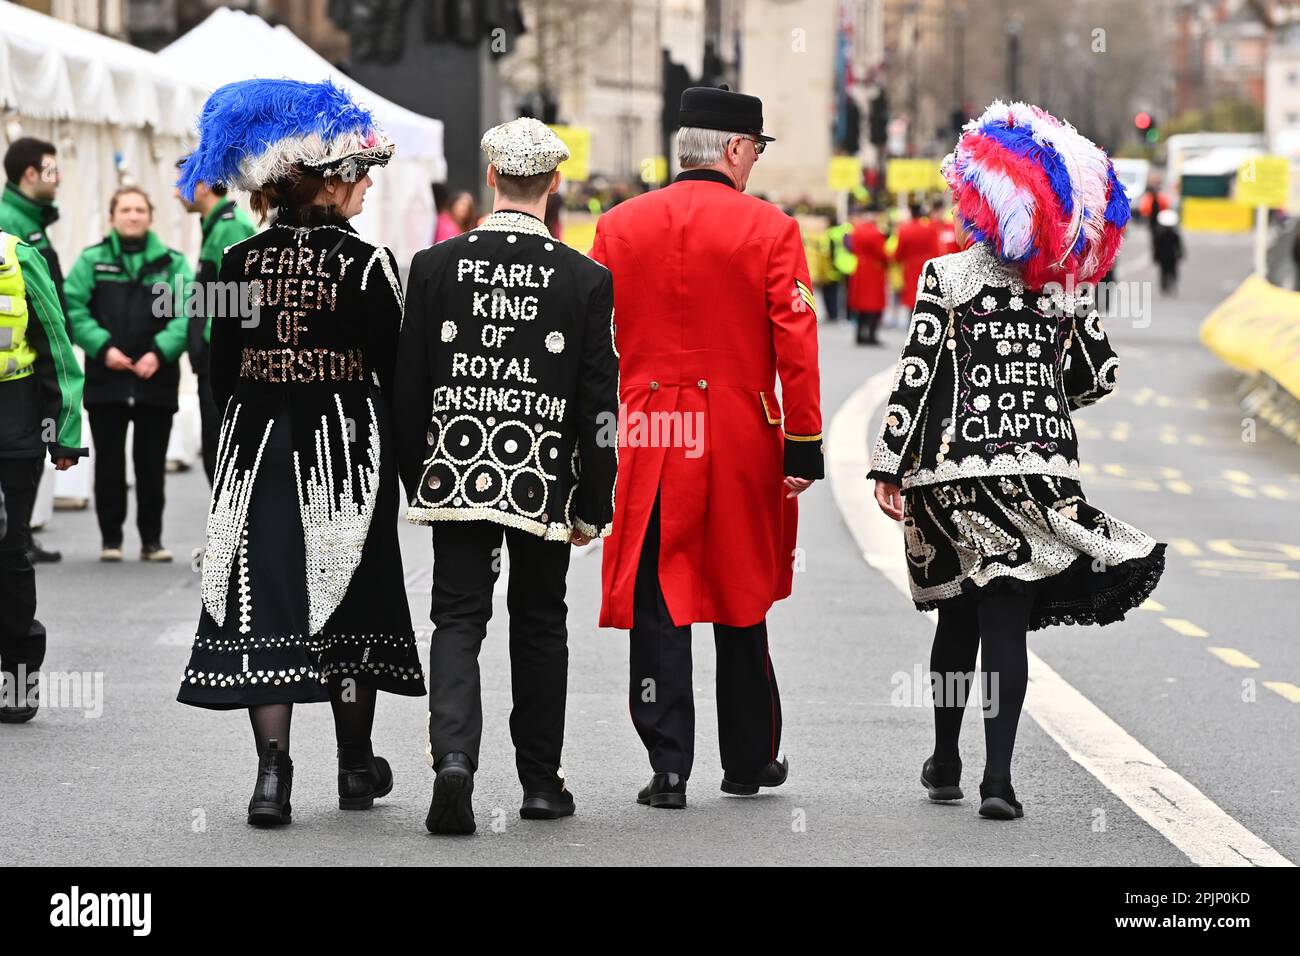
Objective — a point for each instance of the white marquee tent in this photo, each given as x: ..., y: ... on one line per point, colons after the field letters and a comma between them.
x: 232, y: 45
x: 121, y: 114
x: 116, y: 113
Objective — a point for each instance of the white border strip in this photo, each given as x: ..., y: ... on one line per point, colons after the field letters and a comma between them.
x: 1186, y: 817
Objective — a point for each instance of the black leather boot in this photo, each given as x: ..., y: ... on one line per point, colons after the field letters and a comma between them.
x: 362, y: 778
x: 270, y: 804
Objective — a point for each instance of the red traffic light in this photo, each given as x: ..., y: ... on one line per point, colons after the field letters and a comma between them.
x: 1142, y: 121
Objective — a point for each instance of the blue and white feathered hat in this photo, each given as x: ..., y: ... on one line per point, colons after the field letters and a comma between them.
x: 256, y: 132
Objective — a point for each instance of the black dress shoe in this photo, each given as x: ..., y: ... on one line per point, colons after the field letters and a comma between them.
x: 773, y: 775
x: 16, y: 715
x: 546, y: 805
x: 40, y: 556
x: 998, y: 800
x: 18, y: 705
x: 666, y: 791
x: 942, y: 779
x: 362, y: 778
x: 270, y: 803
x: 451, y: 811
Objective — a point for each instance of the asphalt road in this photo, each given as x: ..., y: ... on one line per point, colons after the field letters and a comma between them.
x: 151, y: 781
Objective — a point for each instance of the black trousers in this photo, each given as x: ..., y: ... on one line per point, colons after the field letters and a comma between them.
x: 661, y: 696
x: 868, y: 326
x: 209, y: 425
x: 831, y: 296
x: 466, y: 564
x: 22, y: 637
x: 153, y: 427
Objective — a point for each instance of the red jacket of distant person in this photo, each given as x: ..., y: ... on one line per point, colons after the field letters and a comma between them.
x: 918, y: 243
x: 712, y: 300
x: 869, y: 281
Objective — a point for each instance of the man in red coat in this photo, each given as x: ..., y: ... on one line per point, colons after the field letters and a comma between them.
x: 868, y: 284
x: 918, y: 243
x: 712, y: 301
x: 944, y: 228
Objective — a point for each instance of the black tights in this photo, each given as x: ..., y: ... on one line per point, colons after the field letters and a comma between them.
x: 354, y: 715
x: 999, y: 620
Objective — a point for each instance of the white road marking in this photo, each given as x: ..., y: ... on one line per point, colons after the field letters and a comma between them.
x: 1158, y: 794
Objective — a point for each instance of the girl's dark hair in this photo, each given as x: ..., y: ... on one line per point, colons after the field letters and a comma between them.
x: 294, y: 191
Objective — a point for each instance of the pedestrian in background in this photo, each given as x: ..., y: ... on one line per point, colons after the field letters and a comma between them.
x: 445, y: 226
x: 462, y: 211
x: 40, y: 413
x: 222, y: 224
x: 304, y: 599
x: 918, y: 243
x: 133, y: 337
x: 713, y: 302
x: 27, y: 210
x: 944, y: 228
x: 837, y: 265
x: 868, y: 286
x: 526, y: 456
x: 1167, y: 249
x: 998, y: 535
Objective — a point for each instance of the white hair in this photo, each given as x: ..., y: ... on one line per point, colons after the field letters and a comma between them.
x: 701, y: 147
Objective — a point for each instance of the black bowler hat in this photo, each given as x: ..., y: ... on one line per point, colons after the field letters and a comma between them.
x: 708, y: 107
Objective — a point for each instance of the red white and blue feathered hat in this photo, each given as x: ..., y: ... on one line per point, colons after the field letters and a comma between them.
x: 256, y: 132
x: 1039, y: 194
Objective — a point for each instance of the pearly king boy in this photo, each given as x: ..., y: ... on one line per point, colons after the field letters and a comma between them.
x: 508, y: 382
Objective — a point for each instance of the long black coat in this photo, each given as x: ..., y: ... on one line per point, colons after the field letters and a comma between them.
x: 507, y: 383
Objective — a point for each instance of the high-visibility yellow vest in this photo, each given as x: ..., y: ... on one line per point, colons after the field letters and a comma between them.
x: 16, y: 353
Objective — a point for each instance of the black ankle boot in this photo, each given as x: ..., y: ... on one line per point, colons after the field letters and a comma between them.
x: 362, y: 778
x: 270, y: 803
x: 999, y: 800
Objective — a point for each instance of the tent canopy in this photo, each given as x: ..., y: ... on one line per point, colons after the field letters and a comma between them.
x: 233, y: 45
x: 54, y: 70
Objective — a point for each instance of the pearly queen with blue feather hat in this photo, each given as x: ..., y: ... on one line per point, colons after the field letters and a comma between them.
x: 261, y: 131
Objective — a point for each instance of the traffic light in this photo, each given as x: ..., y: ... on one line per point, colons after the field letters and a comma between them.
x: 878, y: 119
x: 1146, y: 126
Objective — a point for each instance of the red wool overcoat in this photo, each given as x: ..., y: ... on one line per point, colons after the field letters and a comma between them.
x: 711, y: 302
x: 868, y: 282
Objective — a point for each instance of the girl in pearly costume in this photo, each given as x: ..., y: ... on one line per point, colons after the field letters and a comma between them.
x: 303, y: 593
x: 977, y: 454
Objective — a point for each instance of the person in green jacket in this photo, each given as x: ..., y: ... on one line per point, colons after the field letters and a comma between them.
x: 842, y: 265
x: 40, y: 412
x: 126, y: 304
x: 27, y: 210
x: 223, y: 224
x: 27, y: 207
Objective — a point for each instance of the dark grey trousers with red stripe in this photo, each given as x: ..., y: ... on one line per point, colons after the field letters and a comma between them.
x: 661, y: 695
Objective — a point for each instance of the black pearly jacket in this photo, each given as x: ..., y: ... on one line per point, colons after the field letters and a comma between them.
x: 313, y: 349
x: 989, y: 373
x: 507, y: 383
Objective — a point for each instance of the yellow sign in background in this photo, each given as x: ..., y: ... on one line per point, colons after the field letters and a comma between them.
x: 1209, y: 214
x: 1264, y: 181
x: 578, y: 139
x: 913, y: 176
x: 844, y: 173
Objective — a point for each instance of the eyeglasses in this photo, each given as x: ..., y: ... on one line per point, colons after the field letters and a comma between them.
x: 759, y: 145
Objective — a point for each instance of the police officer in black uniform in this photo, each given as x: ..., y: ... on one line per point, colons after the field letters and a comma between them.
x: 507, y: 406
